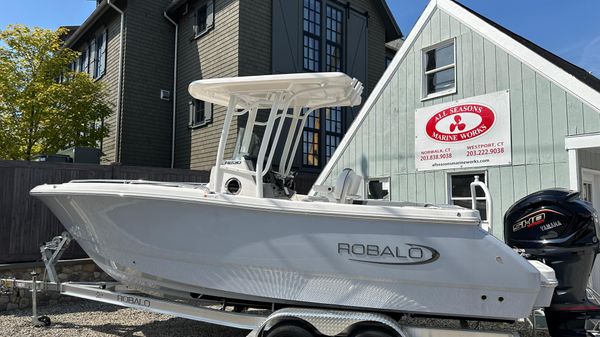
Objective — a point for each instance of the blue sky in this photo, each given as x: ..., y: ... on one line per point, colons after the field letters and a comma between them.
x: 570, y: 29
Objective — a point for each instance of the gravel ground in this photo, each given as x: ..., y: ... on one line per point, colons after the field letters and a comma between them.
x: 93, y: 319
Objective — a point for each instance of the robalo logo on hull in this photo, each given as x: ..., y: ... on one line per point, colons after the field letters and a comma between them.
x: 460, y: 123
x: 407, y: 254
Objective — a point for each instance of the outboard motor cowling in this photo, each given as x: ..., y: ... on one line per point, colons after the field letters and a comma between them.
x: 559, y: 229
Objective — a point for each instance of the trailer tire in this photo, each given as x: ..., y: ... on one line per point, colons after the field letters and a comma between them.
x: 290, y: 330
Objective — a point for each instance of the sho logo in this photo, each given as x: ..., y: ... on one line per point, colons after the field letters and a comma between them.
x: 533, y: 219
x: 133, y: 300
x: 409, y: 254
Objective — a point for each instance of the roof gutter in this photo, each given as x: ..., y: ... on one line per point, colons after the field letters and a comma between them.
x: 174, y: 87
x: 101, y: 9
x: 120, y: 84
x: 170, y: 10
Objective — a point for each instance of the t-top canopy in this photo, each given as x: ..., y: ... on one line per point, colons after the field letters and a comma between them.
x: 311, y: 90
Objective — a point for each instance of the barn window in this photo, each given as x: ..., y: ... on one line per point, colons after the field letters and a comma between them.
x: 439, y: 72
x: 378, y: 188
x: 459, y: 191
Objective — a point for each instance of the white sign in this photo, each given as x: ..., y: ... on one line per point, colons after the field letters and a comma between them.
x: 471, y: 132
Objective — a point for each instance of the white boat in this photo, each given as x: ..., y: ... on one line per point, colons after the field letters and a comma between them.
x: 248, y: 236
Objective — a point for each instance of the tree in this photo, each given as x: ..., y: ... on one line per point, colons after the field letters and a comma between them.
x: 44, y: 105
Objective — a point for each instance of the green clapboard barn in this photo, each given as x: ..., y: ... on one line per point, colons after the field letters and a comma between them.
x: 465, y: 97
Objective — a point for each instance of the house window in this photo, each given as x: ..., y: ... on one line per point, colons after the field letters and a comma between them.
x: 459, y: 191
x: 311, y: 140
x: 334, y: 41
x: 320, y: 141
x: 205, y: 17
x: 84, y: 61
x: 200, y: 113
x: 378, y: 188
x: 333, y: 130
x: 439, y: 77
x: 92, y: 52
x: 312, y: 35
x: 100, y: 55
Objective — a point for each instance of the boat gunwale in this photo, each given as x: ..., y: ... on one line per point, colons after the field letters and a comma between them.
x: 415, y: 213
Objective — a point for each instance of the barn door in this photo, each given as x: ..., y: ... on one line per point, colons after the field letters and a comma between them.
x: 287, y: 32
x: 357, y: 55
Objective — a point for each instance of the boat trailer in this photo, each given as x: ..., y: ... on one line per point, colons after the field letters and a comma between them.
x: 325, y: 322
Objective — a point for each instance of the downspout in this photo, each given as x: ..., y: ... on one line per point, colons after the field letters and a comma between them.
x: 120, y: 83
x: 174, y: 88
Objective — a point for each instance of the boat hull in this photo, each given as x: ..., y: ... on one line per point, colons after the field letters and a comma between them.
x: 195, y: 243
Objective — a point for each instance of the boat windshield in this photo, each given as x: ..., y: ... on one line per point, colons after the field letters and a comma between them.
x: 246, y: 149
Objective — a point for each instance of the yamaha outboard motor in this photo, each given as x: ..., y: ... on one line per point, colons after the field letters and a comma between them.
x: 559, y: 229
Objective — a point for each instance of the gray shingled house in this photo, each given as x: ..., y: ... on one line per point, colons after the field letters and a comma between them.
x: 148, y: 51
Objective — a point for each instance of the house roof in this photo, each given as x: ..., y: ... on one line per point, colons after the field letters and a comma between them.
x: 101, y: 8
x: 70, y: 31
x: 566, y: 75
x: 392, y: 30
x: 395, y: 44
x: 580, y: 73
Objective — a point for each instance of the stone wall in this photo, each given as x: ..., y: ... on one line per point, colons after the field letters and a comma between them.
x: 83, y: 270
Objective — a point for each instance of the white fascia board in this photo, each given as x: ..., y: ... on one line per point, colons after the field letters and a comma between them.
x: 582, y: 141
x: 527, y: 56
x: 377, y: 91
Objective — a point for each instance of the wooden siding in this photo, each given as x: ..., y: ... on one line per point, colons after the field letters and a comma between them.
x: 148, y: 69
x: 542, y: 114
x: 255, y: 38
x: 212, y: 55
x: 26, y: 222
x: 111, y: 23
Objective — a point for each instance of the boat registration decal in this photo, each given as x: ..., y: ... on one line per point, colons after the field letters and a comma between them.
x: 409, y: 254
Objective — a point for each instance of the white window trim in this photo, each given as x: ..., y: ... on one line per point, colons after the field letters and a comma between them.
x: 192, y: 122
x: 572, y: 145
x: 210, y: 19
x: 366, y: 187
x: 424, y: 72
x: 103, y: 35
x: 449, y: 175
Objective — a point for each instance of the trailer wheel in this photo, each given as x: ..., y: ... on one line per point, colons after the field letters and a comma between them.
x: 289, y: 330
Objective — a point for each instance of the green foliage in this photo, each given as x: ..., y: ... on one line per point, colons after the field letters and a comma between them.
x: 38, y: 113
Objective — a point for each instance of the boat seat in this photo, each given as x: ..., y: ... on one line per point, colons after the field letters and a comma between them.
x: 345, y: 189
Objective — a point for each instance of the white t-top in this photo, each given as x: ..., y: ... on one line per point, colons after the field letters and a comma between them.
x: 310, y: 90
